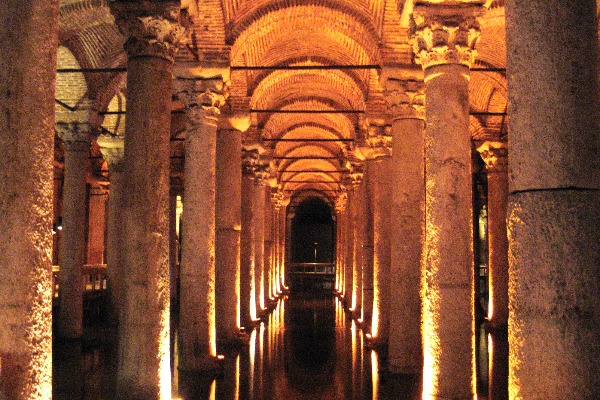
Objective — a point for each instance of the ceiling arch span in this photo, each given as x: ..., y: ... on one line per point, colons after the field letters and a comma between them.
x: 242, y: 14
x: 279, y: 125
x: 267, y: 32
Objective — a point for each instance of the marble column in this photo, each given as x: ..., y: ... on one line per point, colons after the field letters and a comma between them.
x: 197, y: 320
x: 112, y: 151
x: 258, y: 224
x: 381, y: 198
x: 268, y: 247
x: 359, y: 222
x: 152, y: 35
x: 341, y: 206
x: 96, y: 225
x: 554, y: 192
x: 28, y: 41
x: 228, y: 223
x: 247, y: 299
x: 443, y: 40
x: 76, y: 138
x: 349, y: 248
x: 494, y: 155
x: 405, y: 100
x: 367, y: 248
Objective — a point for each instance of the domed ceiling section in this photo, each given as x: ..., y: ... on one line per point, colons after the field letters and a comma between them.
x: 306, y: 70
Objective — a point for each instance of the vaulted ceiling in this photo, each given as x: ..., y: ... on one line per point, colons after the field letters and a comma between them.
x: 308, y: 73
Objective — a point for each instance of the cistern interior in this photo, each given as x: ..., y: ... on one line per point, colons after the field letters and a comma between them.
x: 299, y: 199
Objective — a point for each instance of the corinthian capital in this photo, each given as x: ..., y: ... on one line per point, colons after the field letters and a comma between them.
x: 75, y: 135
x: 203, y: 98
x: 495, y: 155
x: 444, y: 34
x: 150, y: 28
x: 112, y: 148
x: 405, y: 99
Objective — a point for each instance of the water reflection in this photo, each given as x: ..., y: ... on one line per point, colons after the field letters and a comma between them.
x: 308, y: 348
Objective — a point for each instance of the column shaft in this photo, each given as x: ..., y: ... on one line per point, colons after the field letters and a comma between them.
x: 28, y: 41
x: 407, y: 241
x: 381, y: 250
x: 350, y: 238
x: 96, y: 226
x: 228, y: 222
x: 258, y: 224
x: 144, y: 315
x: 367, y: 246
x: 553, y: 218
x: 248, y: 311
x: 73, y: 251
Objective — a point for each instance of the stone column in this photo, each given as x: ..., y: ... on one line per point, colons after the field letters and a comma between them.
x: 247, y: 299
x: 367, y: 248
x: 112, y: 151
x: 359, y: 222
x: 28, y: 41
x: 553, y: 216
x: 96, y: 225
x: 258, y: 224
x: 228, y: 223
x: 443, y: 39
x: 494, y: 155
x: 381, y: 198
x: 349, y: 250
x: 268, y: 246
x: 341, y: 205
x: 197, y: 321
x: 405, y: 100
x: 152, y: 35
x: 76, y: 138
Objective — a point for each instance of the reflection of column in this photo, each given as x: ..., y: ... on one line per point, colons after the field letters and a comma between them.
x: 76, y: 138
x: 112, y: 151
x: 197, y: 327
x: 26, y: 155
x: 228, y: 224
x: 495, y: 156
x: 152, y: 34
x: 553, y: 217
x: 443, y: 39
x: 381, y: 197
x: 405, y: 103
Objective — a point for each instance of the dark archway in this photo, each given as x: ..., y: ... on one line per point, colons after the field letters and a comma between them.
x: 313, y: 232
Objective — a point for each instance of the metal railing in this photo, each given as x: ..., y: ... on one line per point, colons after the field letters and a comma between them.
x: 93, y: 279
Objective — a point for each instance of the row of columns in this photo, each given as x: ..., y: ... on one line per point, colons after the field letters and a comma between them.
x: 552, y: 205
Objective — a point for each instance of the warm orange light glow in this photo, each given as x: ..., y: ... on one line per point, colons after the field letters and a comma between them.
x: 213, y: 390
x: 164, y: 355
x: 375, y: 374
x: 253, y: 308
x: 237, y: 378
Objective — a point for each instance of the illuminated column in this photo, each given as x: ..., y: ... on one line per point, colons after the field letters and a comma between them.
x: 247, y: 309
x: 495, y: 156
x: 349, y: 248
x: 381, y: 197
x: 258, y: 224
x: 268, y: 246
x: 405, y: 100
x: 197, y: 327
x: 228, y: 224
x: 283, y: 235
x: 341, y: 206
x: 553, y: 217
x: 96, y: 225
x: 112, y: 151
x: 28, y: 58
x: 443, y: 40
x: 367, y: 247
x: 151, y: 33
x: 76, y: 138
x: 359, y: 224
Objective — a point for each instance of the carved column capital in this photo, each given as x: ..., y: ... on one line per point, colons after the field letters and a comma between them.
x: 277, y: 197
x: 341, y: 202
x: 405, y: 99
x: 75, y: 135
x: 203, y: 99
x: 150, y: 28
x: 377, y: 144
x: 112, y: 149
x: 495, y: 155
x: 444, y: 34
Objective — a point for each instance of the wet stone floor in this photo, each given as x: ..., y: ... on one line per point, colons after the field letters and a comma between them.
x: 307, y: 349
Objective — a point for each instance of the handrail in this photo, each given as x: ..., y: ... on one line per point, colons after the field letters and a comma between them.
x: 93, y: 279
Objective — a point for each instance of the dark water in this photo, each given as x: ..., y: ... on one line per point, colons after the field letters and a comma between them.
x: 307, y: 349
